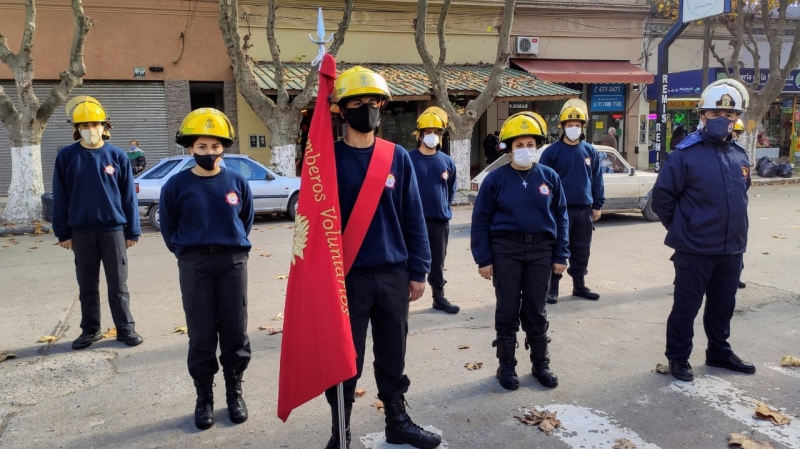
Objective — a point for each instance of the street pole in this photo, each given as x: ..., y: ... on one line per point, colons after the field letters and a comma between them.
x: 662, y: 83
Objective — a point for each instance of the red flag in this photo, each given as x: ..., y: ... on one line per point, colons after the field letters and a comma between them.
x: 317, y: 351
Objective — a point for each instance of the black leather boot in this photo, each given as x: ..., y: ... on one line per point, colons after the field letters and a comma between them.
x: 233, y: 394
x: 540, y: 359
x: 552, y: 294
x: 333, y: 442
x: 506, y: 373
x: 204, y: 410
x: 580, y: 289
x: 441, y: 303
x: 401, y: 430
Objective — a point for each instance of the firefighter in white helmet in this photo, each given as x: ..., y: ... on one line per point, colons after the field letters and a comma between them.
x: 700, y: 196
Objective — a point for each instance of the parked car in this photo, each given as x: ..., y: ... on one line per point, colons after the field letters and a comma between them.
x: 626, y: 189
x: 272, y: 192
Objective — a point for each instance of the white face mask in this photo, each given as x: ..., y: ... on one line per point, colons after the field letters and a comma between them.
x: 92, y: 135
x: 573, y: 133
x: 430, y: 140
x: 523, y: 156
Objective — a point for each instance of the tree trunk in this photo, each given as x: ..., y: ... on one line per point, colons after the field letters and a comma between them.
x: 27, y: 185
x: 749, y: 139
x: 285, y: 128
x: 706, y: 50
x: 460, y: 151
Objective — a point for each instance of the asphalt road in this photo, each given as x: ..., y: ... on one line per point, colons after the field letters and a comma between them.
x: 604, y: 352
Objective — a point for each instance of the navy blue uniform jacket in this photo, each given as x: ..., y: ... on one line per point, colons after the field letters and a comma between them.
x: 436, y: 176
x: 700, y: 196
x: 579, y: 170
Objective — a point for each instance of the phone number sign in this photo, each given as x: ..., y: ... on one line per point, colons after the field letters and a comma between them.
x: 608, y: 98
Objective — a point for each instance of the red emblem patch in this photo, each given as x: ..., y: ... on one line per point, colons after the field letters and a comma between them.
x: 232, y: 198
x: 110, y: 169
x: 445, y: 175
x: 390, y: 181
x: 544, y: 190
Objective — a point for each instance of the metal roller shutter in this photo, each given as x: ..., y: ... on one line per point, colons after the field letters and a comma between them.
x: 138, y: 110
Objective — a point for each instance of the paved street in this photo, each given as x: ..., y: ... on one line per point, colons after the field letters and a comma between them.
x: 604, y: 352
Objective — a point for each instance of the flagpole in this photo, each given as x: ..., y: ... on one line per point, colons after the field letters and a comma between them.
x: 321, y: 41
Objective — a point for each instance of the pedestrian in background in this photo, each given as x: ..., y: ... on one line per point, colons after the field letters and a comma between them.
x: 136, y: 155
x: 490, y: 147
x: 519, y: 238
x: 95, y: 214
x: 206, y: 215
x: 677, y: 137
x: 610, y: 139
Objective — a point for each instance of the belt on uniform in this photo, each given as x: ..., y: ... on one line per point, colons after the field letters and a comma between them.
x: 521, y: 237
x: 213, y: 249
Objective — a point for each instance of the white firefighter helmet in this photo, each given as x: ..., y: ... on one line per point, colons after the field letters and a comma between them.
x: 736, y: 85
x: 722, y: 97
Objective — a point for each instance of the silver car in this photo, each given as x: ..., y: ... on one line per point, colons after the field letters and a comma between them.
x: 272, y: 192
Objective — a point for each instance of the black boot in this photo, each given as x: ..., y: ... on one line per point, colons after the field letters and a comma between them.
x: 204, y: 410
x: 333, y: 443
x: 540, y: 359
x: 580, y: 289
x: 401, y: 430
x: 552, y: 294
x: 506, y: 373
x: 441, y: 303
x: 233, y: 394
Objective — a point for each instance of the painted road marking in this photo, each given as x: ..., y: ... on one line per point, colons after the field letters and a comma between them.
x: 378, y: 440
x: 583, y: 427
x: 794, y: 372
x: 721, y: 395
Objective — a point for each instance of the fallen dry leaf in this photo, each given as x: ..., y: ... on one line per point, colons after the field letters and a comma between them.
x: 180, y: 330
x: 39, y: 240
x: 765, y: 218
x: 270, y: 227
x: 5, y: 355
x: 546, y: 421
x: 278, y: 317
x: 623, y: 443
x: 463, y: 346
x: 288, y: 226
x: 662, y: 369
x: 281, y: 276
x: 435, y: 348
x: 265, y: 254
x: 258, y: 249
x: 794, y: 227
x: 472, y: 366
x: 739, y: 440
x: 763, y: 411
x: 360, y: 393
x: 111, y: 333
x: 790, y: 360
x: 47, y: 339
x: 778, y: 236
x: 34, y: 247
x: 270, y: 330
x: 378, y: 406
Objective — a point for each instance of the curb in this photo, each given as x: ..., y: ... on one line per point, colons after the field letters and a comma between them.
x: 23, y: 230
x: 758, y: 181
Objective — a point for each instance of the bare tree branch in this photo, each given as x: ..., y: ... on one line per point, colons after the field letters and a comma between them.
x: 737, y: 33
x: 442, y: 39
x: 73, y: 76
x: 245, y: 80
x: 480, y: 104
x: 302, y: 99
x: 713, y: 49
x: 7, y: 57
x: 753, y: 50
x: 793, y: 60
x: 275, y: 51
x: 9, y: 115
x: 774, y: 36
x: 436, y: 78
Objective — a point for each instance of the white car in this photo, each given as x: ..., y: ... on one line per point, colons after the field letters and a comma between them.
x: 626, y: 189
x: 272, y: 192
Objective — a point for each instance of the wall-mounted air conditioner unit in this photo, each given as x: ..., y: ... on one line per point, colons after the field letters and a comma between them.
x: 526, y: 45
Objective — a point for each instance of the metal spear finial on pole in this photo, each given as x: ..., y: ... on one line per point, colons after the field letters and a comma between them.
x: 320, y: 40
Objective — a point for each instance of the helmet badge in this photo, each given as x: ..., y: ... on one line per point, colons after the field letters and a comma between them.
x: 524, y: 125
x: 726, y: 101
x: 363, y: 81
x: 209, y: 125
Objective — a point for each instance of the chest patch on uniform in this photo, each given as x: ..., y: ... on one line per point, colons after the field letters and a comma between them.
x: 390, y: 181
x: 544, y: 190
x: 232, y: 198
x: 588, y: 161
x: 110, y: 169
x: 445, y: 175
x: 745, y: 171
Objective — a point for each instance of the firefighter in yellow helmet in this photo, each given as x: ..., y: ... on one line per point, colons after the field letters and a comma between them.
x: 738, y: 129
x: 95, y: 214
x: 436, y: 175
x: 206, y: 214
x: 577, y: 163
x: 519, y: 237
x: 391, y: 261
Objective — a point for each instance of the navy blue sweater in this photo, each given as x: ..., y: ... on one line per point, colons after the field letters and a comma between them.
x: 504, y: 205
x: 436, y: 176
x: 93, y: 191
x: 397, y: 233
x: 204, y: 211
x: 700, y: 196
x: 579, y: 170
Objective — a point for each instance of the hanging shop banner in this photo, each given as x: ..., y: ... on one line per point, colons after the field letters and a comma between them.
x: 608, y: 98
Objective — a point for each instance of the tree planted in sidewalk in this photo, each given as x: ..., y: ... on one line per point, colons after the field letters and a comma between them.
x: 462, y: 120
x: 282, y: 117
x: 25, y: 123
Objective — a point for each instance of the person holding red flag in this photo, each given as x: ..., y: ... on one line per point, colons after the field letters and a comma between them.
x: 386, y: 244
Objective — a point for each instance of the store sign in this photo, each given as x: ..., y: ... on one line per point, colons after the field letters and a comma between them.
x: 683, y: 103
x: 608, y: 98
x: 518, y: 106
x: 792, y: 80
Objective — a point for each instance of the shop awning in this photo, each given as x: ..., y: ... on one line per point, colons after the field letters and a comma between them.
x: 410, y: 81
x: 563, y: 71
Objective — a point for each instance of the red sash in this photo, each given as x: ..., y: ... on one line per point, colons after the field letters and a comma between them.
x: 367, y: 201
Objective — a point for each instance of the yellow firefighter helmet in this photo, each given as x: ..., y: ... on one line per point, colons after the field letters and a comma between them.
x: 205, y: 122
x: 86, y: 109
x: 359, y: 81
x: 433, y: 117
x: 739, y: 126
x: 574, y: 109
x: 524, y: 123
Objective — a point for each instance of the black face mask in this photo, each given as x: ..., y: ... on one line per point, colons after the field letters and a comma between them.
x: 364, y: 118
x: 206, y: 161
